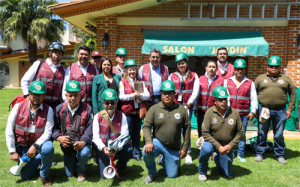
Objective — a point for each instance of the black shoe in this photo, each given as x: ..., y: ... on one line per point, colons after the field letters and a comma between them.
x: 138, y: 159
x: 54, y: 163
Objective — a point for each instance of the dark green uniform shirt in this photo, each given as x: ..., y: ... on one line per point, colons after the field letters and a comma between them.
x: 221, y: 131
x: 167, y: 124
x: 272, y: 91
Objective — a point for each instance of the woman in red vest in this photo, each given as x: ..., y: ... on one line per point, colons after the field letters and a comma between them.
x: 185, y: 81
x: 130, y: 98
x: 105, y: 79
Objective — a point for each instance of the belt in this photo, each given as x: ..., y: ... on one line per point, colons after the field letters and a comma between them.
x: 155, y: 96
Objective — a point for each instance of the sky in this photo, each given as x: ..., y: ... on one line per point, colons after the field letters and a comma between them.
x: 66, y: 23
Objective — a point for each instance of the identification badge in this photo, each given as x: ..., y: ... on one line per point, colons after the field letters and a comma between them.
x: 179, y: 97
x: 32, y: 129
x: 136, y: 105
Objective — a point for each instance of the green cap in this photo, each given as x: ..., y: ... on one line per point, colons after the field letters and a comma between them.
x: 73, y: 86
x: 167, y: 85
x: 240, y: 63
x: 37, y: 87
x: 220, y: 92
x: 121, y: 51
x: 109, y: 94
x: 130, y: 62
x: 181, y: 56
x: 274, y: 61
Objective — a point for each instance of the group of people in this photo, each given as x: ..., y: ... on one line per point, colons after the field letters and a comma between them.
x: 91, y: 103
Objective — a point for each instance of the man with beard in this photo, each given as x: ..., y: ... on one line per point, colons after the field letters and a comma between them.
x: 95, y: 59
x: 74, y: 118
x: 28, y: 131
x: 121, y: 57
x: 222, y: 129
x: 225, y: 68
x: 83, y: 72
x: 153, y: 74
x: 107, y: 126
x: 167, y: 118
x: 242, y: 95
x: 272, y: 90
x: 205, y: 100
x: 50, y: 72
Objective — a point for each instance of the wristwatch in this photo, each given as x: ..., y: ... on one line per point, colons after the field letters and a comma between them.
x: 35, y: 145
x: 25, y: 96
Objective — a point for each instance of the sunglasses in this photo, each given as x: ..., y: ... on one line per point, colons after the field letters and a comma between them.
x: 274, y: 67
x: 112, y: 103
x: 222, y: 99
x: 96, y: 57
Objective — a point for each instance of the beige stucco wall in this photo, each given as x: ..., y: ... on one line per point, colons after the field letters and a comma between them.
x: 13, y: 72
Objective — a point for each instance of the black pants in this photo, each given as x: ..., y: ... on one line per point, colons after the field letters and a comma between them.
x: 53, y: 105
x: 200, y: 118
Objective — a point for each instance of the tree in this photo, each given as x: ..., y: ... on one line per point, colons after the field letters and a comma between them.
x: 83, y: 38
x: 32, y: 20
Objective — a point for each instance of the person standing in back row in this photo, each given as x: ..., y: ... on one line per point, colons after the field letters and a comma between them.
x: 225, y: 69
x: 121, y: 57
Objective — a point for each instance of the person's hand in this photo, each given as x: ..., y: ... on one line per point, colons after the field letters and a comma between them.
x: 189, y: 105
x: 149, y: 148
x: 182, y: 154
x: 31, y: 152
x: 113, y: 152
x: 137, y: 95
x: 79, y: 145
x: 288, y: 114
x: 107, y: 152
x: 14, y: 157
x: 196, y: 113
x: 222, y: 150
x: 250, y: 116
x: 227, y: 148
x: 64, y: 141
x: 186, y: 107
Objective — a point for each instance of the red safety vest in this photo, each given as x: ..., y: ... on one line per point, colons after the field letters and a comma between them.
x: 229, y: 73
x: 84, y: 81
x: 84, y: 115
x: 53, y: 81
x: 23, y: 136
x: 205, y: 99
x: 104, y: 126
x: 240, y: 98
x: 147, y: 76
x: 187, y: 93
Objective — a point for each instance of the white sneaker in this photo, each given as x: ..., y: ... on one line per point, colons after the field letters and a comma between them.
x: 188, y: 160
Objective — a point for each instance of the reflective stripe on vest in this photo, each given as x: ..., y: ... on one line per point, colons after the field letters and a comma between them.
x: 86, y: 83
x: 239, y: 97
x: 27, y: 129
x: 106, y: 135
x: 53, y: 98
x: 81, y: 128
x: 184, y: 91
x: 242, y: 111
x: 50, y: 80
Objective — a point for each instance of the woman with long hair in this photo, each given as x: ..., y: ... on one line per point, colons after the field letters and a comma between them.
x: 130, y: 99
x: 186, y: 83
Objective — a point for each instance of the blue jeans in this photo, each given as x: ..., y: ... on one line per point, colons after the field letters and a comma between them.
x: 103, y: 160
x: 278, y: 118
x: 223, y: 162
x: 134, y: 126
x: 170, y: 159
x: 190, y: 115
x: 242, y: 143
x: 45, y: 154
x: 77, y: 162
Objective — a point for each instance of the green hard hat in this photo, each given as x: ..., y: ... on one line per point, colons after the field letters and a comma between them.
x: 130, y: 62
x: 121, y: 51
x: 181, y: 56
x: 73, y: 86
x: 240, y: 63
x: 220, y: 92
x: 167, y: 85
x: 37, y: 87
x: 274, y: 61
x: 109, y: 94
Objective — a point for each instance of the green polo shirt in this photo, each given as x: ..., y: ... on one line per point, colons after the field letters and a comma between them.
x: 272, y: 91
x: 220, y: 131
x: 167, y: 124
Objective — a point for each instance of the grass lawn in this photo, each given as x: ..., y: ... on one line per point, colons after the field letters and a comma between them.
x: 267, y: 173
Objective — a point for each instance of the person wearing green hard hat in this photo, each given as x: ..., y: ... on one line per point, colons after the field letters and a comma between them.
x: 73, y: 122
x: 222, y: 130
x: 273, y: 89
x: 48, y: 71
x: 133, y: 101
x: 153, y: 74
x: 28, y: 131
x: 107, y: 126
x: 186, y: 89
x: 167, y: 119
x: 242, y: 95
x: 121, y: 57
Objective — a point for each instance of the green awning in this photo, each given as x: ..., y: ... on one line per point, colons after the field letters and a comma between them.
x: 206, y: 43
